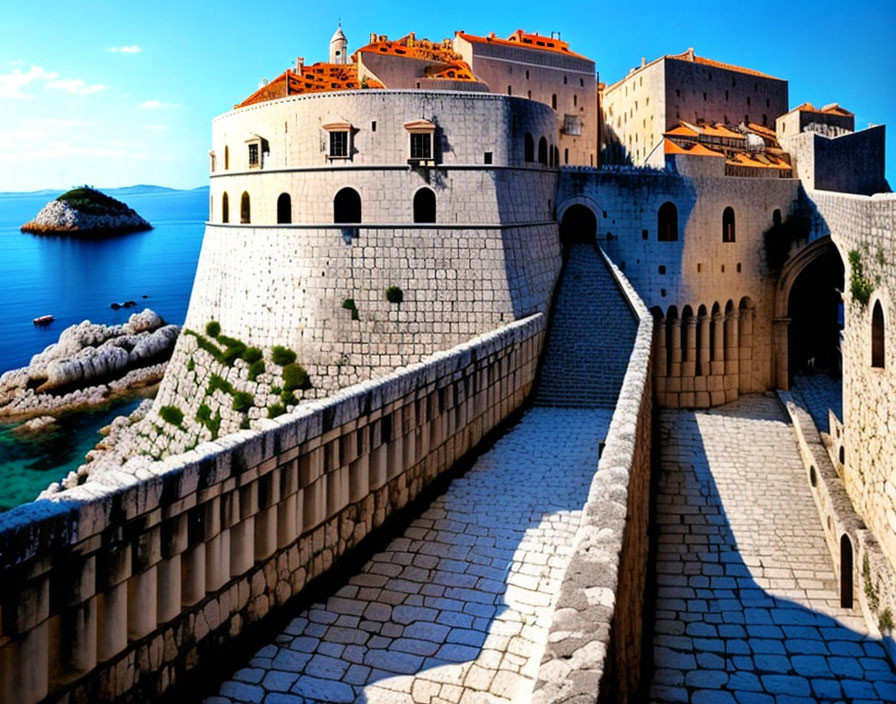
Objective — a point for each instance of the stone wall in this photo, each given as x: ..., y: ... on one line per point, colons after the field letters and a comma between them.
x: 595, y: 643
x: 714, y: 299
x: 867, y: 226
x: 119, y: 587
x: 849, y: 163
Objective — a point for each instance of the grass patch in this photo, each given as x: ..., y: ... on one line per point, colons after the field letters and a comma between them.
x: 252, y: 355
x: 282, y: 356
x: 191, y: 365
x: 255, y: 369
x: 394, y: 294
x: 294, y: 377
x: 242, y: 401
x: 276, y: 410
x: 203, y: 414
x: 213, y: 329
x: 172, y: 414
x: 289, y: 398
x: 90, y: 200
x: 217, y: 383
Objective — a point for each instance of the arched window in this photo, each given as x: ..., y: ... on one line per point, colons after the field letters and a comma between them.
x: 284, y: 208
x: 776, y: 217
x: 245, y: 214
x: 667, y: 222
x: 554, y: 101
x: 728, y: 225
x: 543, y: 151
x: 529, y: 147
x: 425, y: 205
x: 226, y: 157
x: 347, y: 206
x: 225, y: 208
x: 877, y: 336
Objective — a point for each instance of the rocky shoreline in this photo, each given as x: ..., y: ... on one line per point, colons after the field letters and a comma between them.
x: 90, y: 365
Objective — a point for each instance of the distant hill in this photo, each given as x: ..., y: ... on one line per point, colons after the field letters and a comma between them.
x: 140, y: 189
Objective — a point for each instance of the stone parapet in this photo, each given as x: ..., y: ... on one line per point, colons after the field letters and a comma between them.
x: 594, y: 647
x: 114, y: 590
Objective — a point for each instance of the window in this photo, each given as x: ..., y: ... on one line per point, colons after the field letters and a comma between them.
x: 528, y: 147
x: 225, y: 208
x: 877, y: 336
x: 421, y: 146
x: 284, y: 208
x: 667, y: 222
x: 581, y: 82
x: 421, y: 141
x: 554, y: 101
x: 347, y: 206
x: 245, y: 214
x: 529, y: 95
x: 373, y: 126
x: 338, y: 145
x: 543, y: 151
x: 527, y: 75
x: 487, y: 158
x: 776, y: 217
x: 339, y: 140
x: 253, y: 155
x: 566, y: 156
x: 226, y: 157
x: 575, y: 100
x: 728, y: 225
x: 509, y: 90
x: 425, y: 205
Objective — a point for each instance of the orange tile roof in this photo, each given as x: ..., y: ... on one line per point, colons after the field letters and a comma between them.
x: 684, y: 56
x: 682, y: 131
x: 700, y: 150
x: 670, y: 147
x: 316, y: 78
x: 763, y: 131
x: 526, y: 41
x: 832, y: 109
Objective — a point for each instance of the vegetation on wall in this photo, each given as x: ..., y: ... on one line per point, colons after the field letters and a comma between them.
x: 282, y: 356
x: 349, y: 304
x: 394, y: 294
x: 172, y: 414
x: 860, y: 284
x: 213, y: 329
x: 779, y: 239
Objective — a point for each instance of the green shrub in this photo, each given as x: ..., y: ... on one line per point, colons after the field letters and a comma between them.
x: 349, y: 304
x: 205, y: 344
x: 256, y: 368
x: 216, y: 382
x: 244, y: 425
x: 860, y: 285
x: 172, y: 414
x: 276, y: 390
x: 252, y: 354
x: 886, y: 621
x: 294, y: 377
x: 276, y: 410
x: 242, y: 401
x: 289, y: 398
x: 282, y: 356
x: 394, y: 294
x: 203, y: 414
x: 213, y: 329
x: 214, y: 425
x: 90, y: 200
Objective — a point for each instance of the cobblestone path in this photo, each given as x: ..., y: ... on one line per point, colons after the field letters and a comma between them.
x: 748, y: 609
x: 457, y: 608
x: 818, y: 393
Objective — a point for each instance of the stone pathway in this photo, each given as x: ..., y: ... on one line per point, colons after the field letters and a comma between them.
x: 457, y: 608
x: 748, y: 610
x: 819, y: 393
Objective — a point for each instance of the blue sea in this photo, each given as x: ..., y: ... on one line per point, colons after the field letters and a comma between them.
x: 77, y: 279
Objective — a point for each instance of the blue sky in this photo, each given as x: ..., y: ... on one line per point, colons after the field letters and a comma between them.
x: 115, y: 93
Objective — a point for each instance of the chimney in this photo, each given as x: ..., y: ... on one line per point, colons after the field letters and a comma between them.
x: 372, y: 38
x: 300, y: 64
x: 411, y: 38
x: 690, y: 53
x: 643, y: 61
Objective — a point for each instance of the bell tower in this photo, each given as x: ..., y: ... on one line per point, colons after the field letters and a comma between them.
x: 338, y: 47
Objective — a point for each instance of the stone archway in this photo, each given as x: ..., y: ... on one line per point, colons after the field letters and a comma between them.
x: 808, y: 311
x: 578, y: 224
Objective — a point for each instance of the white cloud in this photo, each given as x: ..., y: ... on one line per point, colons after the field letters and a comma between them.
x: 76, y: 86
x: 157, y: 105
x: 131, y: 49
x: 12, y: 83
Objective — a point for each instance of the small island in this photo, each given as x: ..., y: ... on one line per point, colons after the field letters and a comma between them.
x: 88, y: 212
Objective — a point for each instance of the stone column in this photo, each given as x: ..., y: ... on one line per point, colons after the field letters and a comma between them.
x: 746, y: 349
x: 717, y: 367
x: 732, y: 350
x: 659, y: 345
x: 701, y: 383
x: 689, y: 363
x: 24, y: 667
x: 779, y: 334
x: 113, y: 572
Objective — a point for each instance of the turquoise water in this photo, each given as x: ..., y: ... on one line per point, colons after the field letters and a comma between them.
x: 73, y: 280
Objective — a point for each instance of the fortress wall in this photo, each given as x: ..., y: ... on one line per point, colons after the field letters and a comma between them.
x: 867, y: 225
x: 286, y: 286
x: 116, y: 589
x: 696, y: 366
x: 469, y: 124
x: 594, y: 650
x: 850, y: 163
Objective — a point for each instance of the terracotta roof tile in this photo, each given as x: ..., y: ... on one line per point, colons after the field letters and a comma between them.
x: 315, y: 78
x: 526, y: 41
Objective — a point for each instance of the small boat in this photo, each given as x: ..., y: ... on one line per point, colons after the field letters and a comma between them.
x: 43, y: 320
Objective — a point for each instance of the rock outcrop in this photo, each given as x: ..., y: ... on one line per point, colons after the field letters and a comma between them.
x: 89, y: 364
x: 86, y: 211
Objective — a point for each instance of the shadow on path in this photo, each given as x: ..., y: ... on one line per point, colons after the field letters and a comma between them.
x: 747, y: 608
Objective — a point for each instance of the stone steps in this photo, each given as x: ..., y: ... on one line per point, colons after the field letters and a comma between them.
x: 591, y: 334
